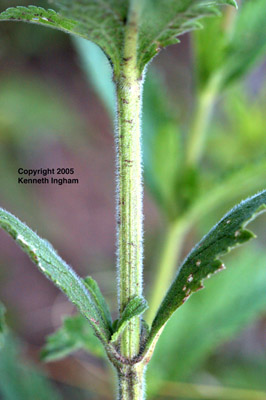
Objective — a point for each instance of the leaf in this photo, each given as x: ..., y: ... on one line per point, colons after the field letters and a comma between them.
x: 104, y: 22
x: 2, y: 325
x: 232, y: 51
x: 94, y: 290
x: 232, y: 300
x: 134, y: 308
x: 248, y: 41
x: 40, y: 16
x: 168, y: 19
x: 99, y: 21
x: 204, y: 259
x: 53, y: 267
x: 75, y: 334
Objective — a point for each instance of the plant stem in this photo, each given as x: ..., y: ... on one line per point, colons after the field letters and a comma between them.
x: 203, y: 112
x: 129, y: 181
x: 131, y: 383
x: 167, y: 264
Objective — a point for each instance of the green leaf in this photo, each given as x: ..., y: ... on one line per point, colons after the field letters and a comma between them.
x: 232, y: 300
x: 95, y: 291
x: 2, y: 325
x: 104, y: 22
x: 99, y: 21
x: 134, y: 308
x: 75, y: 334
x: 248, y: 41
x: 204, y: 259
x: 168, y: 19
x: 40, y: 16
x: 50, y: 264
x: 231, y: 45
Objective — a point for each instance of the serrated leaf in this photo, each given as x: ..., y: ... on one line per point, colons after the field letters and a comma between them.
x: 169, y: 19
x: 232, y: 300
x: 95, y: 291
x: 135, y: 307
x: 2, y: 324
x: 40, y: 16
x: 54, y: 268
x: 99, y: 21
x: 104, y: 22
x: 75, y: 334
x: 204, y: 259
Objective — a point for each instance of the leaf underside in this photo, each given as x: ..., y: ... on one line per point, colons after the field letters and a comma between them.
x: 204, y: 259
x: 98, y: 21
x: 169, y: 19
x: 54, y: 268
x: 104, y: 22
x: 95, y: 291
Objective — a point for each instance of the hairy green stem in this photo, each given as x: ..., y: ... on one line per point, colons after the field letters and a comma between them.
x: 131, y: 382
x: 203, y: 112
x: 129, y: 202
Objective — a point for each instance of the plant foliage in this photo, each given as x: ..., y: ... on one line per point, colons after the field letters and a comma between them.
x: 240, y: 41
x: 50, y: 264
x: 75, y: 334
x: 104, y: 22
x: 204, y: 259
x: 231, y: 301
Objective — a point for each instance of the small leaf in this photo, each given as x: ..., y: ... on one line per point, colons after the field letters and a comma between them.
x: 95, y: 291
x: 135, y: 307
x: 169, y: 19
x: 204, y: 259
x: 75, y: 334
x: 2, y: 324
x: 50, y: 264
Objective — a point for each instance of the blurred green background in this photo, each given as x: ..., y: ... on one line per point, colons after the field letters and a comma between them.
x: 204, y: 149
